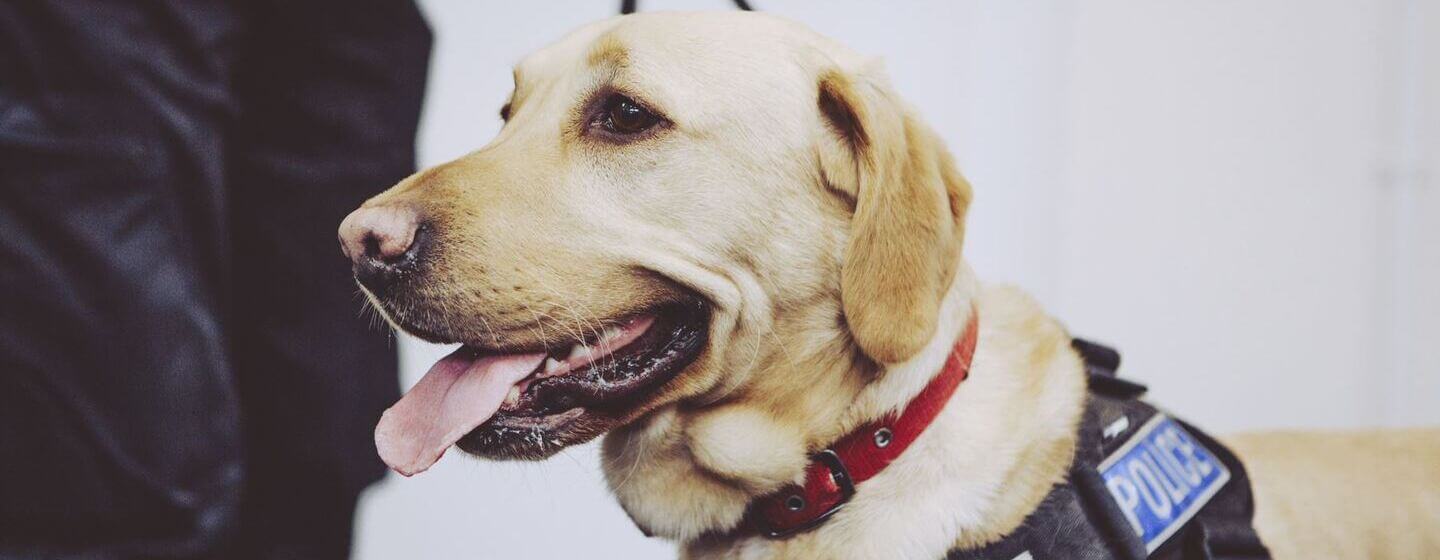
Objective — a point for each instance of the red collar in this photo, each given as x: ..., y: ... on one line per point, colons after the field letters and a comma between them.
x: 833, y: 473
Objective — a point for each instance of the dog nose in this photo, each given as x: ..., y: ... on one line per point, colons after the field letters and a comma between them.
x: 381, y: 241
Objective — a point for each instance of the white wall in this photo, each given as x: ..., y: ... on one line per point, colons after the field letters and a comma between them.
x: 1242, y: 195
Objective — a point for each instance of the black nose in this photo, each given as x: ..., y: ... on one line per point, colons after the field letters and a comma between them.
x: 383, y: 243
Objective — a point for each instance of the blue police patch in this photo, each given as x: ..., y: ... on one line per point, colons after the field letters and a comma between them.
x: 1160, y: 478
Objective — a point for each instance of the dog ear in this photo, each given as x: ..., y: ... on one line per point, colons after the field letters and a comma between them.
x: 909, y: 211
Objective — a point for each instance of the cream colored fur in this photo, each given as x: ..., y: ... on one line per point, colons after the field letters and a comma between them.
x: 822, y: 221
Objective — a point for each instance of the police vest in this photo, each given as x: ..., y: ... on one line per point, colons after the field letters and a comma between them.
x: 1143, y: 484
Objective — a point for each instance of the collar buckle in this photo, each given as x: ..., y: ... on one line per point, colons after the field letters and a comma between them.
x: 841, y: 476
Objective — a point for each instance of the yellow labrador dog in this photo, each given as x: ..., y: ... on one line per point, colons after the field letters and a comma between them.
x: 723, y: 241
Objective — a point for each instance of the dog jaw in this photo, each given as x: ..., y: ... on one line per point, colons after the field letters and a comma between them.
x: 648, y: 468
x: 691, y: 471
x: 748, y: 446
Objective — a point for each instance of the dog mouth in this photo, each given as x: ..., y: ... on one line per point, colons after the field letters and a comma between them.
x: 532, y: 402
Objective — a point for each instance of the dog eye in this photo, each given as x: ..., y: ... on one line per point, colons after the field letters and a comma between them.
x: 623, y: 116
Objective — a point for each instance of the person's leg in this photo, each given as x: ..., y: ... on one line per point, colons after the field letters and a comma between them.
x: 118, y: 433
x: 329, y: 94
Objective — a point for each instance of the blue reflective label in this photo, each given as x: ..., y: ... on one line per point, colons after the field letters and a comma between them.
x: 1160, y: 478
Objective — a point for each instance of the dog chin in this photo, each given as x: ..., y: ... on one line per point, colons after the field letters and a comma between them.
x: 508, y: 437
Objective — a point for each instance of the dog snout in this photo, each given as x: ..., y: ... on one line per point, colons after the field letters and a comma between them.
x: 382, y: 242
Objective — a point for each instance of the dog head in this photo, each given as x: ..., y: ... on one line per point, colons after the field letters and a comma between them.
x: 681, y: 212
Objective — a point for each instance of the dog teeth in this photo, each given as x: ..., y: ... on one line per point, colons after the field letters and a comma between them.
x: 513, y: 398
x: 610, y: 333
x: 578, y: 351
x: 551, y: 365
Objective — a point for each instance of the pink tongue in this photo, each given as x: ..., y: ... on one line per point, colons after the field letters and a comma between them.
x: 459, y: 393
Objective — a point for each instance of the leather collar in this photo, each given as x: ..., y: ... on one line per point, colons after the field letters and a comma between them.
x: 833, y: 473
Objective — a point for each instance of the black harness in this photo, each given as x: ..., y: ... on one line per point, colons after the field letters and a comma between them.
x: 1132, y: 459
x: 630, y: 7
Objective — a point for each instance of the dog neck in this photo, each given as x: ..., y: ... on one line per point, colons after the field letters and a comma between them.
x: 985, y: 462
x: 899, y: 383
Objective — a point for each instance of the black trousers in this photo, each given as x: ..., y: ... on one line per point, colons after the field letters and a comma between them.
x: 184, y: 371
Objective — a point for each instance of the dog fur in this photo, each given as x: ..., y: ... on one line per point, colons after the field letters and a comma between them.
x: 795, y: 192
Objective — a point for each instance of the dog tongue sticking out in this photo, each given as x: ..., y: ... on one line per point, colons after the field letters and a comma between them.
x: 459, y: 393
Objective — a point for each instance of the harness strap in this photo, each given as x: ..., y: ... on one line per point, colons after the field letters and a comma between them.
x: 629, y: 7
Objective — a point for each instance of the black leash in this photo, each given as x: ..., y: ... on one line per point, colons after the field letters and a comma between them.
x: 628, y: 6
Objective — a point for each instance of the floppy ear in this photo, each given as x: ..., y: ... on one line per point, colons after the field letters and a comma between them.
x: 908, y: 223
